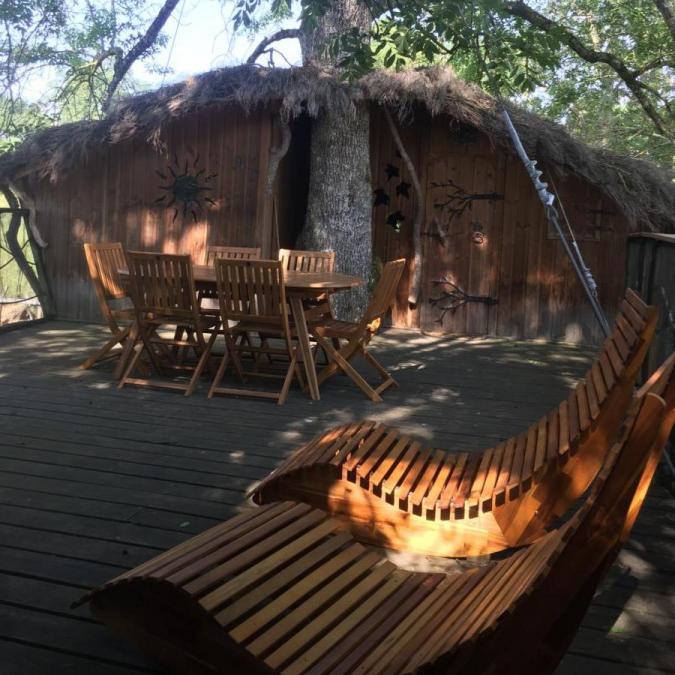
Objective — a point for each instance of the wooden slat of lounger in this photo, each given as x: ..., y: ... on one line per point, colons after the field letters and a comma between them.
x: 637, y: 303
x: 482, y: 473
x: 375, y: 456
x: 614, y: 357
x: 331, y: 445
x: 200, y: 576
x: 621, y: 345
x: 526, y: 569
x: 514, y: 485
x: 335, y: 455
x: 582, y: 403
x: 357, y: 594
x: 414, y: 619
x: 347, y: 656
x: 347, y: 566
x: 460, y: 501
x: 391, y: 588
x: 430, y: 503
x: 298, y: 458
x: 626, y: 330
x: 361, y: 451
x: 491, y: 599
x: 599, y: 383
x: 417, y: 632
x: 573, y: 408
x: 452, y: 623
x: 499, y: 497
x: 593, y: 404
x: 290, y: 573
x: 553, y: 425
x: 564, y: 436
x: 607, y: 372
x: 256, y: 573
x: 530, y: 454
x: 540, y: 455
x: 491, y: 478
x: 388, y: 462
x: 426, y: 480
x: 453, y: 483
x: 633, y: 316
x: 236, y: 540
x: 535, y: 562
x: 352, y: 443
x: 318, y: 443
x: 249, y: 518
x: 406, y: 486
x: 400, y: 468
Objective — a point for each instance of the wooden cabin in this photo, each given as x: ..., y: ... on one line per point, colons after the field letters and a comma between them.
x: 186, y: 166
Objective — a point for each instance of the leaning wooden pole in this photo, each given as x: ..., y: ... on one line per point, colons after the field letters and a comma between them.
x: 413, y: 294
x: 548, y: 199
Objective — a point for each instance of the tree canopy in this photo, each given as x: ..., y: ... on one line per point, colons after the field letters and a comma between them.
x: 602, y: 67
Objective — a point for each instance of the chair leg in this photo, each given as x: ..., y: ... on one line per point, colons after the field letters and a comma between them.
x: 107, y: 347
x: 387, y: 379
x: 132, y: 337
x: 343, y: 364
x: 288, y: 379
x: 203, y: 359
x: 138, y: 350
x: 219, y: 374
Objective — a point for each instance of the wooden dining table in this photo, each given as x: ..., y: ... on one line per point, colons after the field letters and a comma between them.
x: 300, y: 286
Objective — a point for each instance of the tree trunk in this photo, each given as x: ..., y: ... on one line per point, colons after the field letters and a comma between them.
x: 339, y: 205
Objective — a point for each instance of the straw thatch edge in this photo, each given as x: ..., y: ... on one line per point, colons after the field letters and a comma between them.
x: 644, y: 192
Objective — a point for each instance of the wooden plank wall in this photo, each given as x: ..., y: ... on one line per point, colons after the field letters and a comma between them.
x: 112, y: 199
x: 499, y: 245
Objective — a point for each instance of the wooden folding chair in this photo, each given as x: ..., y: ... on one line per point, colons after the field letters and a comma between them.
x: 252, y: 299
x: 307, y: 261
x: 312, y: 261
x: 104, y: 262
x: 231, y: 253
x: 356, y: 336
x: 213, y: 253
x: 162, y: 288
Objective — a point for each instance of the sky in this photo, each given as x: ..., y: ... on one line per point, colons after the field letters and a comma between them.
x: 201, y: 38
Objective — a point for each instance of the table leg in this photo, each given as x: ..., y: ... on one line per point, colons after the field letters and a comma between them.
x: 305, y: 347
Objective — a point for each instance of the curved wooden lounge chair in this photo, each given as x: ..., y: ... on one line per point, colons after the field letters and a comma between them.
x: 394, y: 492
x: 283, y: 589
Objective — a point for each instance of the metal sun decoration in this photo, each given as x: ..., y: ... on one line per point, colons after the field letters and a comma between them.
x: 185, y: 188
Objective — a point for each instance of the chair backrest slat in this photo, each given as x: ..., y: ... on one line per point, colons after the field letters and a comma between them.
x: 162, y: 284
x: 385, y: 291
x: 307, y: 261
x: 251, y: 289
x: 231, y: 252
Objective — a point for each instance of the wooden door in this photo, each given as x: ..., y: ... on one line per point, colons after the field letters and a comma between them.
x: 465, y: 196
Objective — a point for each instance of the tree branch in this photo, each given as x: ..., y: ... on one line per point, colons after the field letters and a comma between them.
x: 668, y: 13
x: 277, y: 154
x: 285, y: 34
x: 123, y: 63
x: 627, y: 75
x: 414, y: 292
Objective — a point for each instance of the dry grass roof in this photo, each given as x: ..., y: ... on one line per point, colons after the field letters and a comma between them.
x: 645, y: 193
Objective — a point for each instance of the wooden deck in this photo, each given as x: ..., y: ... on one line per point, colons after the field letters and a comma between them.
x: 94, y: 481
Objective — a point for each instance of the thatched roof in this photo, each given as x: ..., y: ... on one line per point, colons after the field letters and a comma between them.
x: 644, y: 192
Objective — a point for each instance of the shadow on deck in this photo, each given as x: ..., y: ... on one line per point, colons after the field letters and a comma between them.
x: 94, y: 480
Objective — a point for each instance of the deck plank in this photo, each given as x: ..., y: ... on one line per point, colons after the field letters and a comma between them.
x: 89, y: 489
